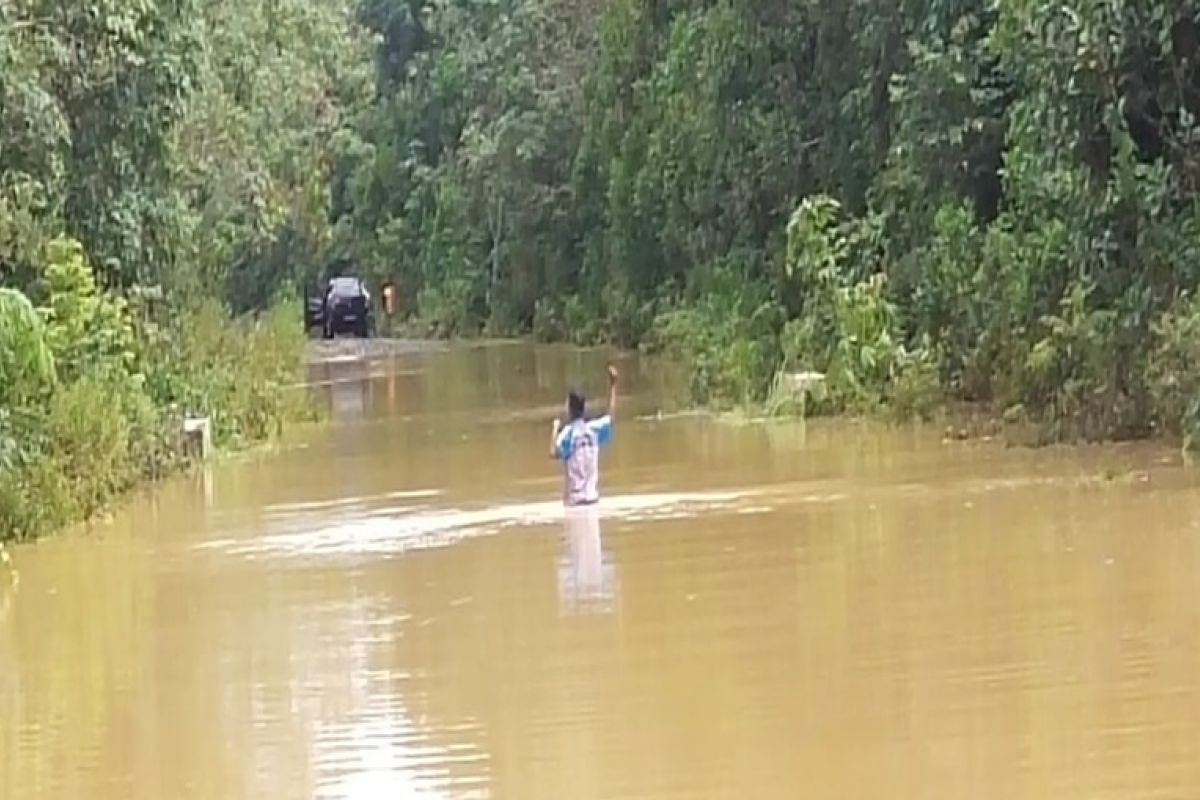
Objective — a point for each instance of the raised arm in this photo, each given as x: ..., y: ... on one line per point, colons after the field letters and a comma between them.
x: 554, y: 439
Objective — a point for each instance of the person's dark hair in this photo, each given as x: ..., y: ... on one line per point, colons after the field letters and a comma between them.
x: 575, y: 404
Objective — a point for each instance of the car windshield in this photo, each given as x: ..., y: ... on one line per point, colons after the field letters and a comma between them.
x: 345, y: 287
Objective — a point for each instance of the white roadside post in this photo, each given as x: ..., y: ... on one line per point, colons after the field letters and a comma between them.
x: 199, y: 431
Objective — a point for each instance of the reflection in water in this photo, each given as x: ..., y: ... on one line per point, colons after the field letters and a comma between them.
x: 586, y: 579
x: 348, y: 385
x: 206, y: 483
x: 394, y: 606
x: 8, y: 586
x: 391, y: 387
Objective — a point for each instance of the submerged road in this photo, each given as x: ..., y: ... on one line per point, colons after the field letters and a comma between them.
x: 393, y: 606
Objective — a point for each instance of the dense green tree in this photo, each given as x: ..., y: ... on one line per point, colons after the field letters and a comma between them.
x: 1016, y: 185
x: 160, y: 160
x: 279, y: 84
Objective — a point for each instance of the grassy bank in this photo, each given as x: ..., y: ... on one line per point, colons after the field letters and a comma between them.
x: 744, y: 362
x: 94, y: 387
x: 740, y: 351
x: 1075, y: 373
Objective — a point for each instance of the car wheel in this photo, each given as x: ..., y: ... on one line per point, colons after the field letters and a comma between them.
x: 362, y: 330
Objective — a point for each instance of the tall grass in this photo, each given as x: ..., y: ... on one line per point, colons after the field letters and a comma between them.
x: 94, y: 402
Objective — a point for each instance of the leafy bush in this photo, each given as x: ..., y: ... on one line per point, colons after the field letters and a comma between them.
x: 916, y: 389
x: 1174, y: 371
x: 34, y: 499
x: 847, y: 325
x: 626, y: 319
x: 945, y: 298
x: 728, y: 345
x: 90, y: 443
x: 569, y: 319
x: 449, y: 309
x: 26, y: 363
x: 548, y: 323
x: 68, y: 449
x: 581, y: 321
x: 235, y: 373
x: 86, y: 329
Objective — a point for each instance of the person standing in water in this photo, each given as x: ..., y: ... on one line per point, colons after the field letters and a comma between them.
x: 577, y: 444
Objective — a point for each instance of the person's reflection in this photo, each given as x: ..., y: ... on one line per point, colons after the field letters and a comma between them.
x: 391, y: 386
x: 586, y: 582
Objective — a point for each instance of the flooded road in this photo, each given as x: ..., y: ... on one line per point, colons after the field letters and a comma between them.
x: 393, y: 606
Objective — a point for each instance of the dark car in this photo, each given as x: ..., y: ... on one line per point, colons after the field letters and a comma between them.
x: 345, y: 308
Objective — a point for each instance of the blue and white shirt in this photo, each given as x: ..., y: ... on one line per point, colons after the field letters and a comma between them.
x: 578, y: 447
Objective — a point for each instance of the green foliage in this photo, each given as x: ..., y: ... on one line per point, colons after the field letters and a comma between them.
x: 26, y: 362
x: 572, y: 319
x: 996, y: 199
x: 103, y: 431
x: 254, y: 152
x: 846, y: 327
x: 87, y: 330
x: 238, y: 375
x: 67, y: 450
x: 916, y: 388
x: 1174, y: 371
x: 90, y: 440
x: 34, y: 499
x: 183, y: 144
x: 729, y: 340
x: 91, y: 92
x: 161, y: 161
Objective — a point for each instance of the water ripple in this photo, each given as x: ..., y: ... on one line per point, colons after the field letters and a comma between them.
x: 424, y: 529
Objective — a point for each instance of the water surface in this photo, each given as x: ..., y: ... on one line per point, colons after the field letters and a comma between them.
x: 393, y: 606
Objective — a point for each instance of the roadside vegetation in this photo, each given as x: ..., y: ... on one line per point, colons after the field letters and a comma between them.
x: 94, y: 387
x: 931, y: 201
x: 164, y: 174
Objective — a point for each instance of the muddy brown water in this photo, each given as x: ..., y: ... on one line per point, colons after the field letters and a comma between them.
x: 393, y: 606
